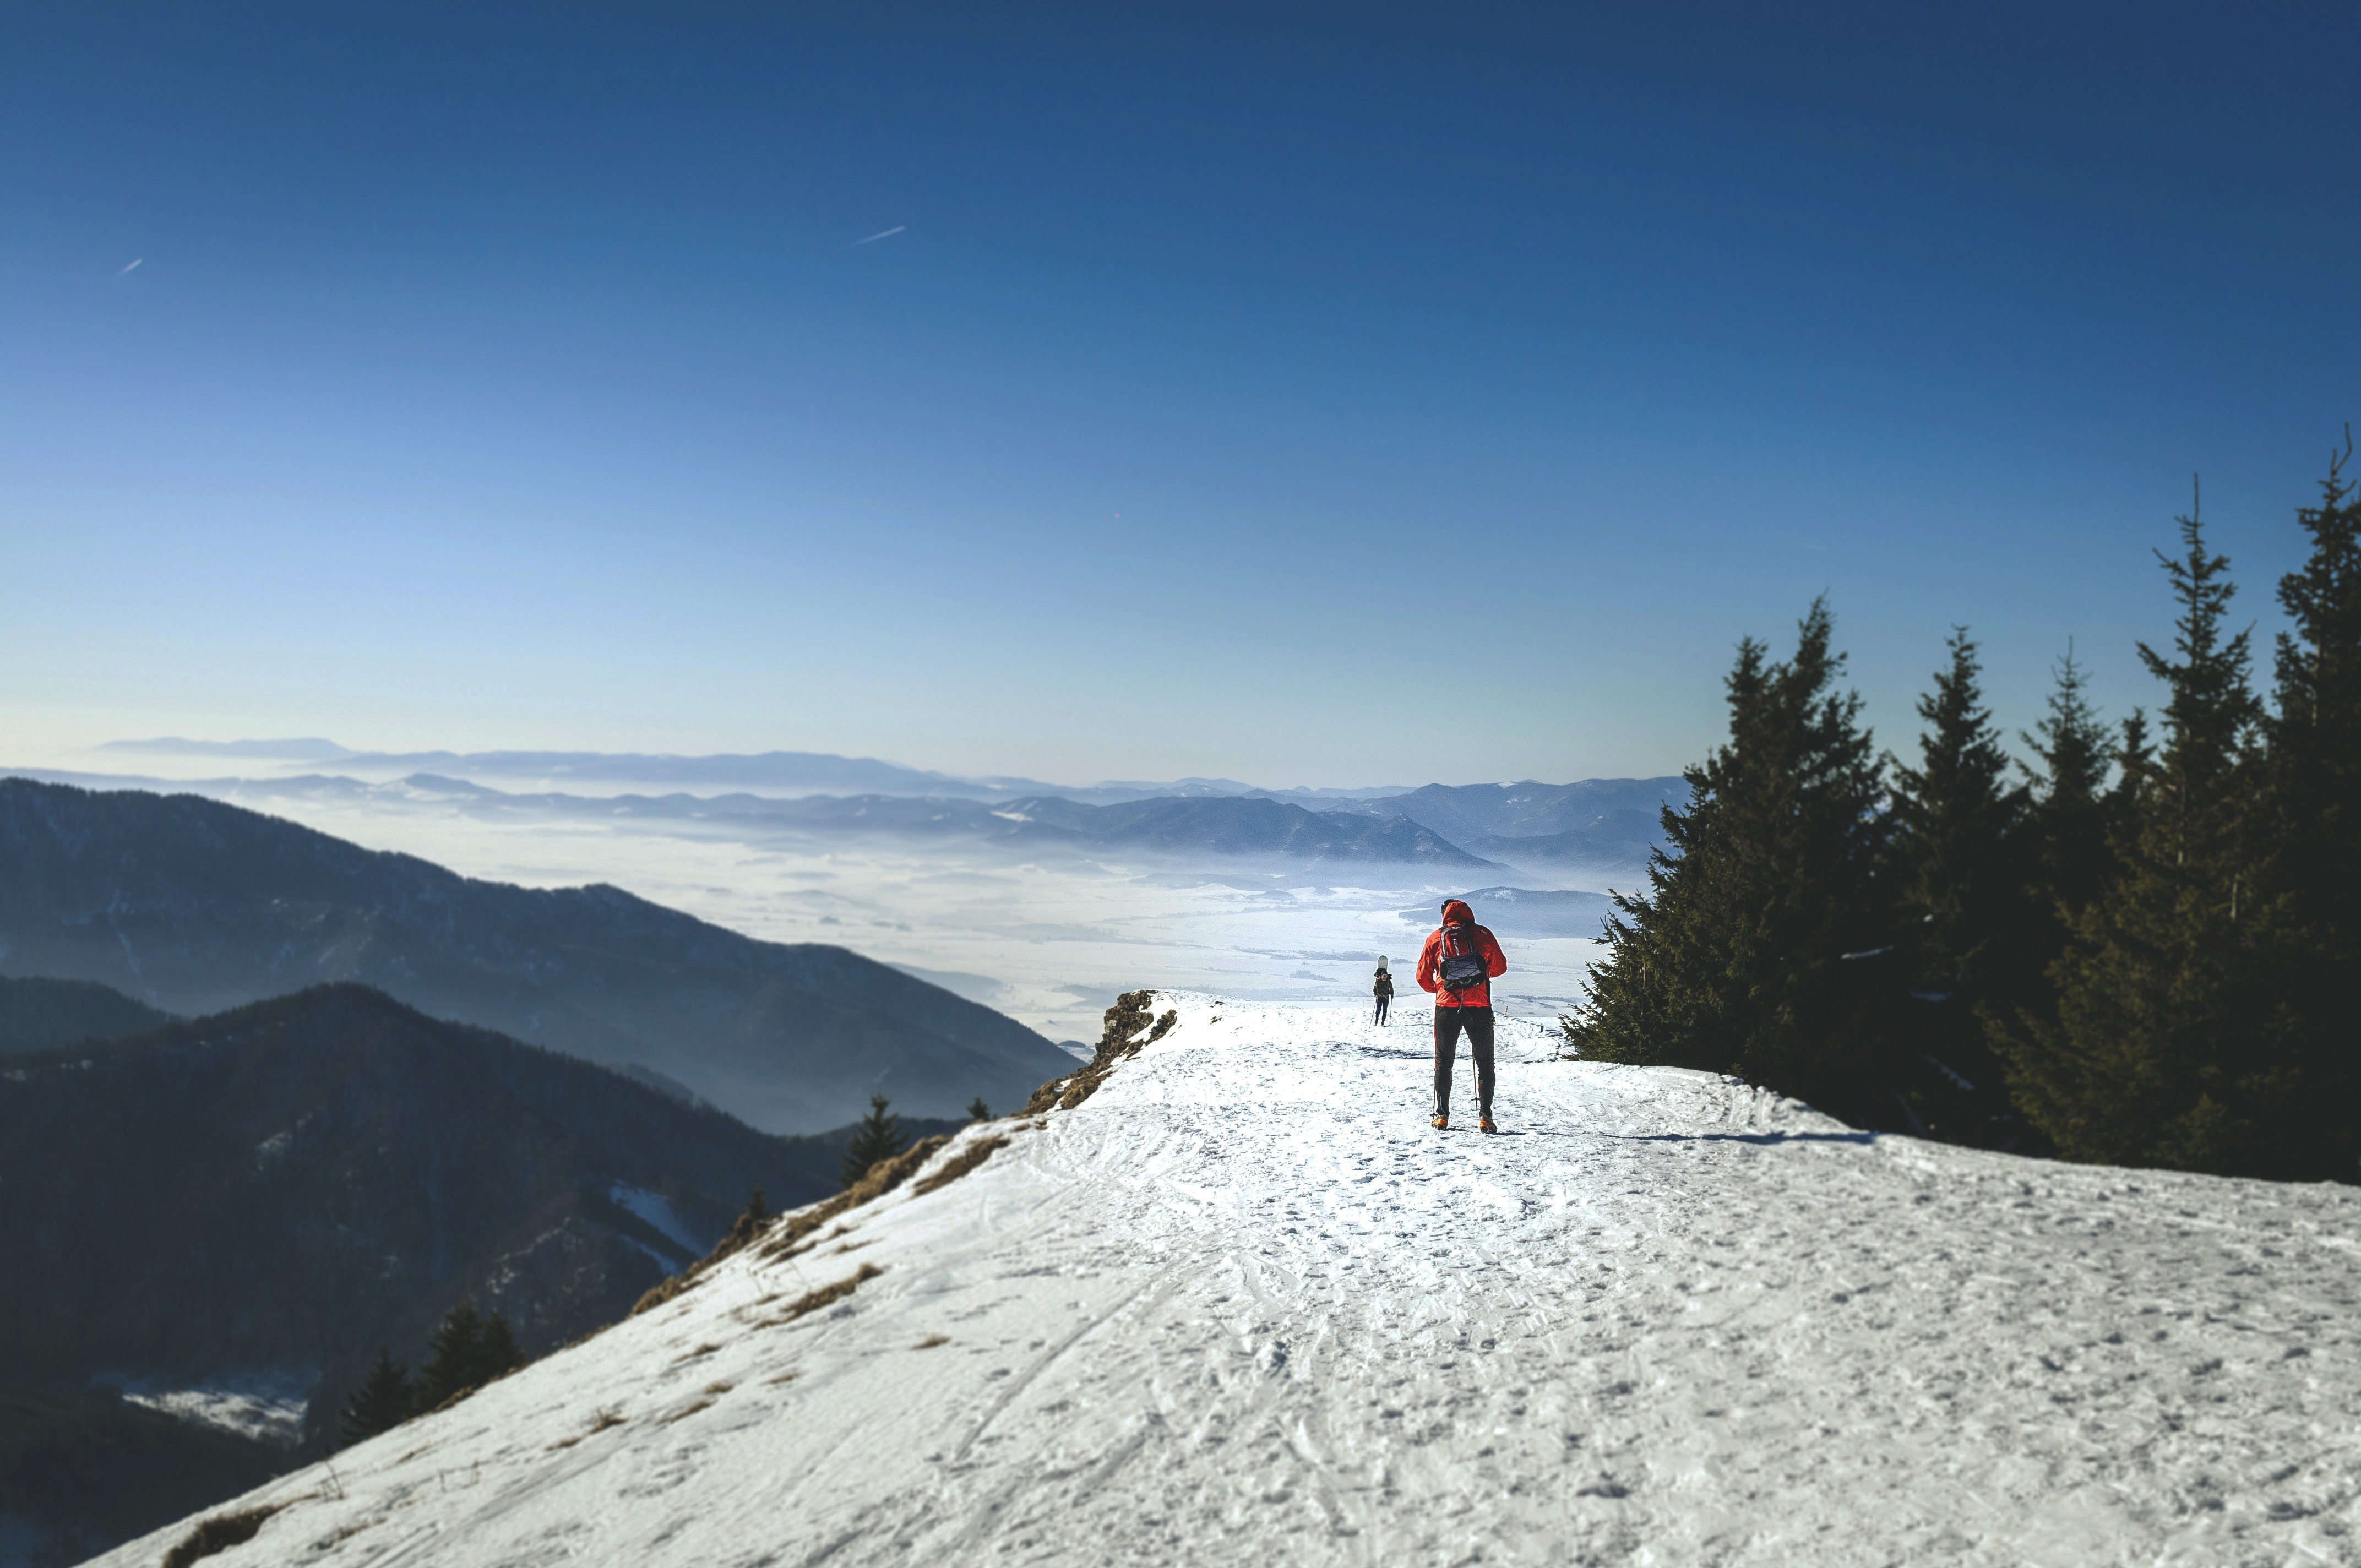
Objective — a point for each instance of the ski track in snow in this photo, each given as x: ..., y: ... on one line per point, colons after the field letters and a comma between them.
x: 1244, y: 1306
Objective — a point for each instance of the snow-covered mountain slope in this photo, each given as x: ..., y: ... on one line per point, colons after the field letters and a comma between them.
x: 1244, y: 1306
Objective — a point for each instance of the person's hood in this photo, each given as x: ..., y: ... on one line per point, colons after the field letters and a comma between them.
x: 1456, y: 912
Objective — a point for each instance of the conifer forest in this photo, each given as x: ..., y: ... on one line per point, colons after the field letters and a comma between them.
x: 2127, y: 942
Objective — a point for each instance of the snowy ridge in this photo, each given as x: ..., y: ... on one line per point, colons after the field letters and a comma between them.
x: 1244, y: 1306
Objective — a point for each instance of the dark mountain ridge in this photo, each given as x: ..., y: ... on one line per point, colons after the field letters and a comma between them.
x: 193, y: 905
x: 37, y: 1015
x: 295, y: 1182
x: 287, y: 1185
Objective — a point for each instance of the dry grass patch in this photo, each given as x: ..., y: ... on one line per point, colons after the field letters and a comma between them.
x: 787, y: 1234
x: 218, y: 1533
x: 599, y: 1423
x: 825, y: 1296
x: 959, y: 1164
x: 883, y: 1177
x: 749, y: 1228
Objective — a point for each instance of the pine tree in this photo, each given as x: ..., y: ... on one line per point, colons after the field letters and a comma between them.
x: 451, y: 1356
x: 876, y: 1136
x: 468, y: 1349
x: 2068, y: 809
x: 1756, y: 948
x: 1964, y: 910
x: 2315, y: 815
x: 2166, y: 1046
x: 496, y: 1356
x: 977, y: 1111
x: 383, y: 1402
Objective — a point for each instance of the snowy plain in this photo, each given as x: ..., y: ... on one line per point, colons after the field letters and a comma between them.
x: 1244, y: 1306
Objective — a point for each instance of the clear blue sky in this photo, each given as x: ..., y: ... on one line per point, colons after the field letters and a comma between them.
x: 1311, y: 394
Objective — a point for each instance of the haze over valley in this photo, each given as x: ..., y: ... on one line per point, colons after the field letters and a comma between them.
x: 1040, y: 901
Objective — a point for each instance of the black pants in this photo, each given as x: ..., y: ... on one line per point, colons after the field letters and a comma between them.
x: 1448, y: 1021
x: 1382, y: 999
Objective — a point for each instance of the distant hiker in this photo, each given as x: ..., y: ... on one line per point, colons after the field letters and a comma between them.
x: 1457, y: 964
x: 1385, y: 988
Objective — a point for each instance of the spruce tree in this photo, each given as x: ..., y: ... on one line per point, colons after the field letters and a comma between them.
x: 451, y: 1356
x: 1963, y: 912
x: 876, y: 1136
x: 2315, y: 815
x: 468, y: 1349
x: 2068, y: 806
x: 1757, y: 948
x: 497, y: 1354
x: 383, y: 1402
x: 977, y: 1111
x: 2167, y: 1046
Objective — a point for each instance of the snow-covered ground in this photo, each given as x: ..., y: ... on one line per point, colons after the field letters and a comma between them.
x: 1244, y: 1306
x: 266, y: 1403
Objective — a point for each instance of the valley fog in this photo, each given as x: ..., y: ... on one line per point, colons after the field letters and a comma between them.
x: 1049, y: 939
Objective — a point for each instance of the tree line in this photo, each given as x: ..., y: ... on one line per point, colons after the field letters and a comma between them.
x: 469, y: 1349
x: 2133, y: 944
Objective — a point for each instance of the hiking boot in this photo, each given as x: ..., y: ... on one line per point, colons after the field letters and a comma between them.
x: 1485, y: 1125
x: 1442, y: 1124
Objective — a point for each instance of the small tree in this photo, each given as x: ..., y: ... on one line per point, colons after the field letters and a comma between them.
x: 977, y: 1111
x: 498, y: 1355
x: 468, y: 1349
x: 876, y: 1136
x: 383, y: 1403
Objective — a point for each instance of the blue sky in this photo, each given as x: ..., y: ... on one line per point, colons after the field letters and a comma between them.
x: 1309, y: 394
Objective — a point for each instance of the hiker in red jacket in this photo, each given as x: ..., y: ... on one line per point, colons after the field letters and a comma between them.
x: 1457, y: 964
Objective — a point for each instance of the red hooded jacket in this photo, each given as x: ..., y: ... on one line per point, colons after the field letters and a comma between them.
x: 1430, y: 959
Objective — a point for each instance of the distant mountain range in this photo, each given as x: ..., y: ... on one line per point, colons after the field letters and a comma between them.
x: 1521, y: 912
x: 1607, y: 825
x: 280, y: 1188
x: 1595, y: 829
x: 792, y: 773
x: 191, y: 907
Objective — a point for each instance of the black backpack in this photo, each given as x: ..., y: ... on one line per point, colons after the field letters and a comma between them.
x: 1463, y: 960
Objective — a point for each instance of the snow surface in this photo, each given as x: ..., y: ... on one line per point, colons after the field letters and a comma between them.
x: 656, y: 1211
x: 1244, y: 1306
x: 265, y: 1404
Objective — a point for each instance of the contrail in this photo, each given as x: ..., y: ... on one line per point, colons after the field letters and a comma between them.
x: 856, y: 245
x: 128, y: 268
